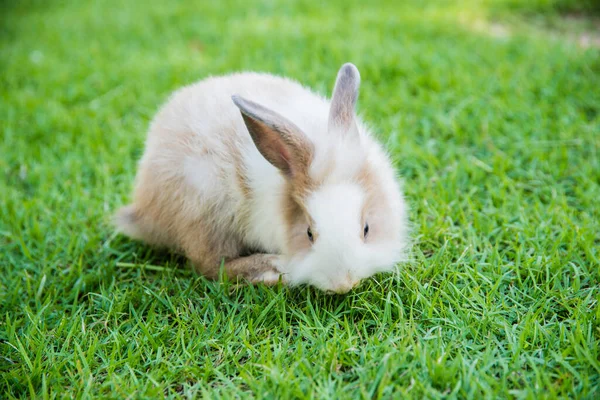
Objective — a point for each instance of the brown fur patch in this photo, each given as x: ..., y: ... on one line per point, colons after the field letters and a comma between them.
x: 376, y: 206
x: 296, y: 215
x: 297, y: 222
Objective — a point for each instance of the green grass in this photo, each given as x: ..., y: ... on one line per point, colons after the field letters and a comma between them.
x: 496, y: 133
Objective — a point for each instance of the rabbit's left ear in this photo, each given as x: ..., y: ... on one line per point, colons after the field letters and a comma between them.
x: 343, y: 101
x: 280, y: 142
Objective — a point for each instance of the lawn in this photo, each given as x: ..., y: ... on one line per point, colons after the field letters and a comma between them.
x: 491, y: 110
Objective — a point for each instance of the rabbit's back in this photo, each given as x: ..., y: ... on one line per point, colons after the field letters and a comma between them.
x: 201, y: 166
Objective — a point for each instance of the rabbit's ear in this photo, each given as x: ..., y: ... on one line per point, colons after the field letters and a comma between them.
x: 343, y: 101
x: 280, y: 142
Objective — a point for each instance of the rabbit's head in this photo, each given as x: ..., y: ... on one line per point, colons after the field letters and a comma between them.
x: 343, y: 209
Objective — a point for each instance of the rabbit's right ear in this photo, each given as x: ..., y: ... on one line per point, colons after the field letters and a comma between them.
x: 280, y: 142
x: 343, y: 100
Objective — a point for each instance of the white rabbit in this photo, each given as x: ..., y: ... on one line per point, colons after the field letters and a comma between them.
x: 286, y: 185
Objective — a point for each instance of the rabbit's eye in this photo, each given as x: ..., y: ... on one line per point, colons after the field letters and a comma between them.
x: 366, y: 230
x: 310, y: 234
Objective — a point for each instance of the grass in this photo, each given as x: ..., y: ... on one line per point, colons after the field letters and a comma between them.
x: 495, y: 131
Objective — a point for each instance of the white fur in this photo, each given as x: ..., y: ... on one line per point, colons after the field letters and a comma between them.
x: 335, y: 261
x: 201, y: 173
x: 187, y: 141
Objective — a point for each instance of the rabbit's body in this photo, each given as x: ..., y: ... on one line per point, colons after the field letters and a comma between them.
x: 205, y: 188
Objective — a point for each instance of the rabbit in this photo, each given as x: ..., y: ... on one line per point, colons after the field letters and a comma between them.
x: 260, y: 176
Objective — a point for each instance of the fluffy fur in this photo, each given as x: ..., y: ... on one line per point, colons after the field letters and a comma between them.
x: 238, y: 168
